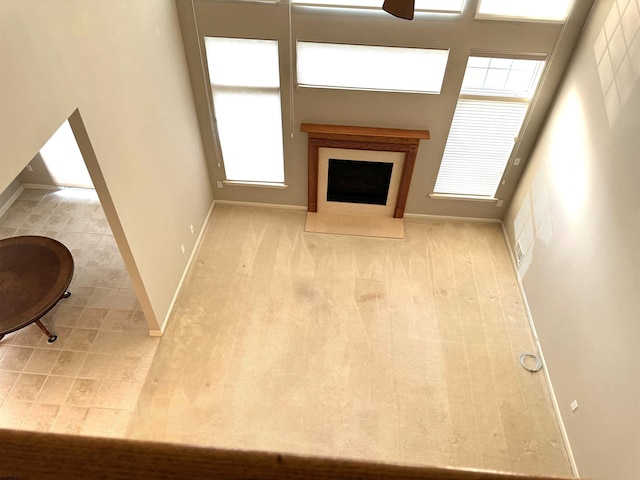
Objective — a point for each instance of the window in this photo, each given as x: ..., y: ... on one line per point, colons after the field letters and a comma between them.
x: 489, y: 115
x: 504, y: 77
x: 535, y: 10
x: 365, y: 67
x: 448, y: 6
x: 245, y: 82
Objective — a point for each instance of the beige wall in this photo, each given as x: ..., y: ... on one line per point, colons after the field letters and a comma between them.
x: 39, y: 175
x: 122, y: 65
x: 7, y: 195
x: 579, y: 208
x: 377, y: 109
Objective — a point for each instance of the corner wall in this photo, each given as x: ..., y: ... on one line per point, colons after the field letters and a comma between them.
x: 576, y: 214
x: 122, y: 66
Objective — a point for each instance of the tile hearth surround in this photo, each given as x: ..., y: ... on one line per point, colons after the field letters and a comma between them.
x: 325, y: 206
x: 346, y: 218
x: 88, y: 381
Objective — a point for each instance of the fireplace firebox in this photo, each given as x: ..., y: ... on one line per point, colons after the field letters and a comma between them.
x: 355, y: 181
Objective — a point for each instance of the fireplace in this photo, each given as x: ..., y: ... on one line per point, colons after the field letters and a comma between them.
x: 364, y: 182
x: 360, y: 170
x: 357, y: 181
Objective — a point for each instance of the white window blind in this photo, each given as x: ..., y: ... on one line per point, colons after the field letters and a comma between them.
x: 535, y: 10
x: 366, y: 67
x: 245, y: 82
x: 480, y: 141
x: 488, y: 118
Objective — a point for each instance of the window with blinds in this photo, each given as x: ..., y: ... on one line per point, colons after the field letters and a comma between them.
x: 245, y: 83
x: 487, y: 121
x: 368, y: 67
x: 533, y: 10
x: 480, y: 141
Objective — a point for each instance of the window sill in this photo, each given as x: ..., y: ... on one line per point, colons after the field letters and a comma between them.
x: 472, y: 198
x: 255, y: 184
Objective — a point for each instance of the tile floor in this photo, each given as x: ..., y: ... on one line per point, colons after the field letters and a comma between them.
x: 88, y: 381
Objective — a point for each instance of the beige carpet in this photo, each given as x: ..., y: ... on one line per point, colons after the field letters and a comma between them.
x: 360, y: 225
x: 400, y: 351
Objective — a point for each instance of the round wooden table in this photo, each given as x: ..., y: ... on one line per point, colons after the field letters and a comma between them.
x: 35, y: 273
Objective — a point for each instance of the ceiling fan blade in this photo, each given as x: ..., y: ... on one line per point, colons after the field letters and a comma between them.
x: 399, y: 8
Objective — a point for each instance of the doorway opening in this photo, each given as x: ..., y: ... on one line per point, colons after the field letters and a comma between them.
x: 63, y: 160
x: 63, y: 194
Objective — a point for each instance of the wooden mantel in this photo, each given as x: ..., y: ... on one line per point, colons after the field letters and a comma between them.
x: 363, y: 138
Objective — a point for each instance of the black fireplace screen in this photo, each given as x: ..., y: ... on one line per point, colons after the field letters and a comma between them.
x: 355, y: 181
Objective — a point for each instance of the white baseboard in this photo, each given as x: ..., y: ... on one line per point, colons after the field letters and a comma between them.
x: 196, y: 247
x: 41, y: 187
x: 34, y: 186
x: 451, y: 219
x: 262, y: 205
x: 545, y: 370
x: 12, y: 199
x: 22, y: 188
x: 406, y: 215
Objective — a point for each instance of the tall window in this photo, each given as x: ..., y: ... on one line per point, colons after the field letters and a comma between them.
x: 489, y: 115
x: 245, y: 82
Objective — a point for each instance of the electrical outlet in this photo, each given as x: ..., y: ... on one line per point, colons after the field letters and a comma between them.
x: 219, y: 184
x: 517, y: 161
x: 574, y: 405
x: 191, y: 228
x: 499, y: 203
x: 182, y: 248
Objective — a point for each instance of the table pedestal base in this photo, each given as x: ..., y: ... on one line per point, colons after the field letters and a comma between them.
x: 35, y: 273
x: 52, y: 337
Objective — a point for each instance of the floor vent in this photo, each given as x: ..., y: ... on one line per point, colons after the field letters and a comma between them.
x: 519, y: 252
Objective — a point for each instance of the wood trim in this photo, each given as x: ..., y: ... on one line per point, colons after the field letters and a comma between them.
x: 363, y: 138
x: 313, y: 179
x: 360, y: 145
x: 50, y: 456
x: 405, y: 180
x: 316, y: 128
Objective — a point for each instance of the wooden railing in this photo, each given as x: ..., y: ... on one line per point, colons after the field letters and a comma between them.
x: 29, y: 455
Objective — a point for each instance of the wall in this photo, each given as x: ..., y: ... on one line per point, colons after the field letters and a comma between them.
x: 7, y: 196
x: 577, y: 215
x: 121, y: 64
x: 459, y: 33
x: 39, y: 174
